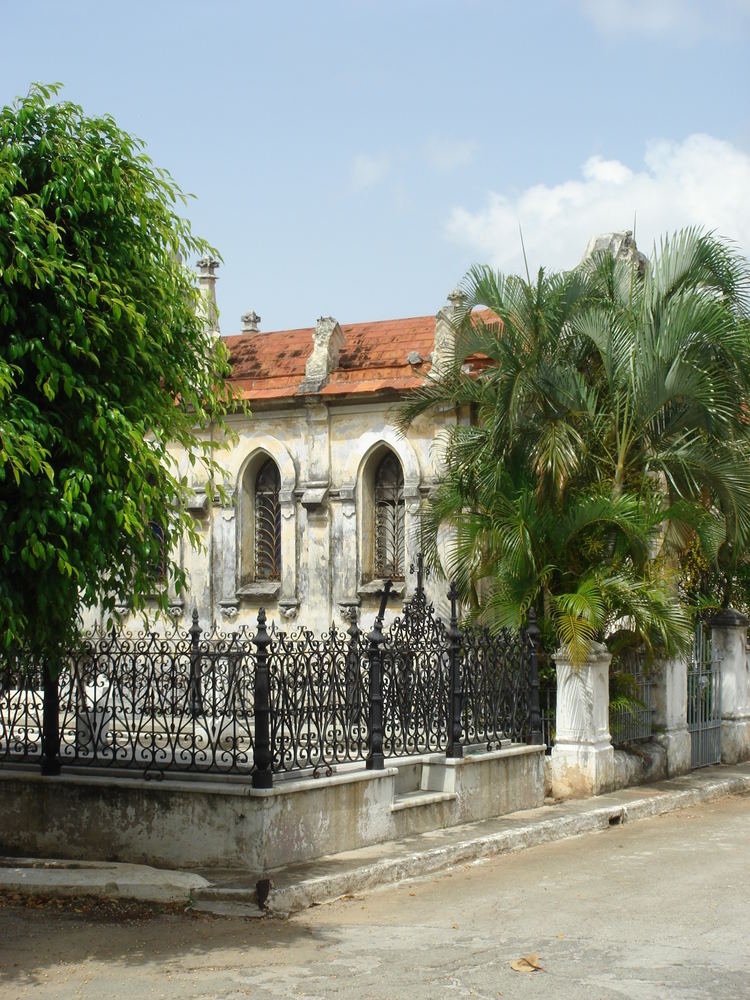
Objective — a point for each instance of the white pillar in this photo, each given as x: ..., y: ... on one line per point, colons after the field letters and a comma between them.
x: 344, y: 548
x: 669, y: 701
x: 729, y: 644
x: 224, y: 566
x: 582, y: 761
x: 288, y: 599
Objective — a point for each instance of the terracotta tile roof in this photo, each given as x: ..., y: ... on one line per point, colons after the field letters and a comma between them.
x: 373, y: 359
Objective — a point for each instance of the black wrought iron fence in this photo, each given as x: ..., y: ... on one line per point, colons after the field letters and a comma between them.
x: 496, y: 703
x: 155, y: 703
x: 265, y: 702
x: 415, y: 662
x: 548, y: 706
x: 318, y: 698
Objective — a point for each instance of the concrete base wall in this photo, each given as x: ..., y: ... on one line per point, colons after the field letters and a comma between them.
x: 640, y: 764
x: 183, y: 824
x: 578, y: 770
x: 735, y: 740
x: 677, y: 747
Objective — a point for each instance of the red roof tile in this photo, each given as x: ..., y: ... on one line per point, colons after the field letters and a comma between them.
x: 373, y: 359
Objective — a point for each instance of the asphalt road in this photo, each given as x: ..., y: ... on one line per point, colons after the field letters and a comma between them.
x: 659, y: 908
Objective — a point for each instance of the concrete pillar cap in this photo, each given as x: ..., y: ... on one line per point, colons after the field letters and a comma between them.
x: 729, y: 618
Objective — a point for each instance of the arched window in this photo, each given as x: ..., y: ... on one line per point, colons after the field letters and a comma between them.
x: 267, y: 523
x: 389, y: 519
x: 159, y: 559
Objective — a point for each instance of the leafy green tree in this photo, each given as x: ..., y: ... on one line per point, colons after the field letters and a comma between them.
x: 106, y: 372
x: 608, y: 430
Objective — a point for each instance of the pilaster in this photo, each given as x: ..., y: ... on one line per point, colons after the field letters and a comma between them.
x: 344, y: 547
x: 225, y: 565
x: 729, y: 644
x: 669, y: 720
x: 582, y: 761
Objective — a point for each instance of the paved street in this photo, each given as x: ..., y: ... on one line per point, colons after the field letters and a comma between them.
x: 658, y: 908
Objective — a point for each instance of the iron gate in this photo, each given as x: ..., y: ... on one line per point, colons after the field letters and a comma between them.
x: 704, y: 701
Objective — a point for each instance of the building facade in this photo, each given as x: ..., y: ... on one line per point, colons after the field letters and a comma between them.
x: 323, y: 491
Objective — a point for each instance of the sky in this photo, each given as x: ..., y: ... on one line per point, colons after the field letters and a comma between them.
x: 353, y: 158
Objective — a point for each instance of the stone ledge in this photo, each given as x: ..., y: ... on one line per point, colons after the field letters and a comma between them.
x: 417, y: 798
x: 260, y: 588
x: 374, y: 588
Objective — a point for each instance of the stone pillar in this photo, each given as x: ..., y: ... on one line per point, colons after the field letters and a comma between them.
x: 344, y: 548
x: 412, y: 500
x: 669, y: 721
x: 316, y: 527
x: 327, y: 343
x: 728, y: 643
x: 446, y: 322
x: 208, y: 309
x: 225, y: 560
x: 288, y: 599
x: 582, y: 761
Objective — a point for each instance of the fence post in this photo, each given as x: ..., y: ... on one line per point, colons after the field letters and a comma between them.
x: 196, y: 698
x: 535, y: 718
x: 455, y: 747
x: 375, y: 758
x: 50, y: 722
x: 352, y: 678
x: 263, y: 771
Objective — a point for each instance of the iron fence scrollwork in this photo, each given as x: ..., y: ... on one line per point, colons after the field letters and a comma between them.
x: 415, y: 663
x: 266, y: 702
x: 263, y: 771
x: 455, y: 746
x: 375, y: 757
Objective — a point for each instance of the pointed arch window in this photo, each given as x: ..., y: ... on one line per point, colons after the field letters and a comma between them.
x: 389, y: 519
x: 267, y: 523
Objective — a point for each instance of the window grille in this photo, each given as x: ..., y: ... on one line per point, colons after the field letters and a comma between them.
x: 158, y: 560
x: 389, y: 519
x: 267, y: 523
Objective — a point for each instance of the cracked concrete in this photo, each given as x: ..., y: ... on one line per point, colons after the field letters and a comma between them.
x: 648, y: 910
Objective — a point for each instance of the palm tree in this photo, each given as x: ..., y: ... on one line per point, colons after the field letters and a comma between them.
x: 610, y: 403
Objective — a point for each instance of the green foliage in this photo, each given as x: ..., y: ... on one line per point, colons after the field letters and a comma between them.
x: 608, y: 431
x: 710, y: 584
x: 105, y: 372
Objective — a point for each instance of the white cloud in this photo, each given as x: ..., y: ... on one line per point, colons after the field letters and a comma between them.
x: 700, y: 181
x: 678, y: 20
x: 446, y: 155
x: 368, y: 171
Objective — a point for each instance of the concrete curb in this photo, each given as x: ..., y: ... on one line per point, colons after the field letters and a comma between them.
x: 300, y: 886
x: 607, y: 811
x: 98, y: 878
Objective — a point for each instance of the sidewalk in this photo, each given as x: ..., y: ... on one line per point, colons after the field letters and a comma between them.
x: 288, y: 890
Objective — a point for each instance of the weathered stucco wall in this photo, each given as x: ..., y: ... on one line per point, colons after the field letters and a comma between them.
x: 228, y: 823
x: 325, y: 453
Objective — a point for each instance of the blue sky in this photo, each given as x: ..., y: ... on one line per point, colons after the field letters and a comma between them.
x: 354, y: 157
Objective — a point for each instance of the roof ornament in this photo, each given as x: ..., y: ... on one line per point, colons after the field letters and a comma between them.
x: 621, y: 245
x: 207, y: 308
x: 446, y: 324
x: 328, y: 340
x: 250, y: 322
x: 457, y: 299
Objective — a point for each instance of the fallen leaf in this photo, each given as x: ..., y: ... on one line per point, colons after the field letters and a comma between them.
x: 529, y: 963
